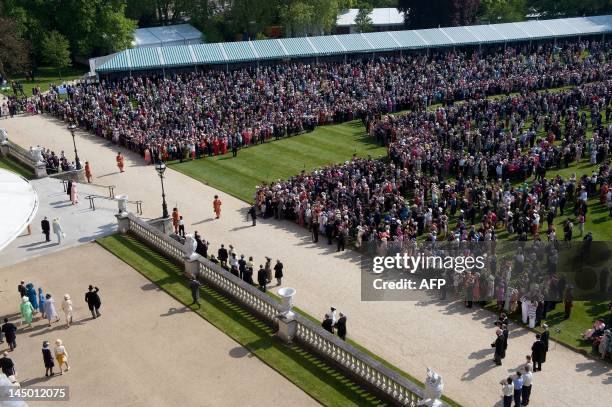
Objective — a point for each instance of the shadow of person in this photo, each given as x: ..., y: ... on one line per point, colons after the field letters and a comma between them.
x: 478, y: 369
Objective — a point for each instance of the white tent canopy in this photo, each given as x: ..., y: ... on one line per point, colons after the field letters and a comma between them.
x: 19, y: 202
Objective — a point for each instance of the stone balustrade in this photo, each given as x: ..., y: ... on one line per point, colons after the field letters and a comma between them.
x: 372, y: 374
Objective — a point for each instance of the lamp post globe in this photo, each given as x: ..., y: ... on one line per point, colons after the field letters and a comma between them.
x: 72, y: 127
x: 160, y: 167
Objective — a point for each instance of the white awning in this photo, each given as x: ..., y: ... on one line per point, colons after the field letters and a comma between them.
x: 19, y: 203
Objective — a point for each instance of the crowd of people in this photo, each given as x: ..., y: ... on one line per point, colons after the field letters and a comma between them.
x: 213, y: 112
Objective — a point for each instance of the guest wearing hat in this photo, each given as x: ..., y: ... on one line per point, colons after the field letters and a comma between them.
x: 26, y: 311
x: 47, y: 359
x: 61, y: 355
x: 67, y: 308
x: 32, y: 296
x: 544, y: 337
x: 328, y: 323
x: 50, y: 310
x: 340, y: 326
x: 92, y: 298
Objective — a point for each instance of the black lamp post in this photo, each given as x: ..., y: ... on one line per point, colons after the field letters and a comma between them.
x: 72, y: 127
x: 160, y: 167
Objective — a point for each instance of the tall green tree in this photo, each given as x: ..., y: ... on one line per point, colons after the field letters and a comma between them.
x: 363, y: 20
x: 14, y: 52
x: 56, y: 51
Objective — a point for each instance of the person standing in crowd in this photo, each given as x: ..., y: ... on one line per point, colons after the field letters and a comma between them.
x: 46, y: 228
x: 223, y: 255
x: 61, y: 355
x: 500, y: 353
x: 195, y: 285
x: 120, y: 161
x: 527, y: 383
x: 26, y: 311
x: 41, y: 302
x: 518, y: 388
x: 22, y: 290
x: 67, y: 309
x: 247, y: 276
x: 181, y: 227
x: 92, y: 298
x: 50, y: 310
x: 74, y: 195
x: 253, y: 214
x: 201, y: 245
x: 241, y: 267
x: 10, y: 334
x: 544, y: 337
x: 507, y: 391
x: 278, y: 272
x: 315, y: 231
x: 328, y: 324
x: 88, y: 173
x: 262, y: 278
x: 340, y: 326
x: 57, y: 229
x: 48, y: 359
x: 537, y: 353
x: 568, y: 302
x: 268, y: 269
x: 217, y: 206
x: 6, y: 365
x: 32, y: 296
x: 175, y: 220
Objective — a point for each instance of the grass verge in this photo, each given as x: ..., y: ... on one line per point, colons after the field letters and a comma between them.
x: 16, y: 167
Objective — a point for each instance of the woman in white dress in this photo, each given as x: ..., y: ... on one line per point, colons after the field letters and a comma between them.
x: 67, y: 308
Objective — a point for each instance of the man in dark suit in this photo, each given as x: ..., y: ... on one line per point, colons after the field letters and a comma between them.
x: 46, y: 228
x: 544, y: 336
x: 262, y: 278
x: 328, y: 324
x: 340, y: 326
x: 538, y: 353
x: 500, y: 353
x: 223, y: 255
x: 93, y: 301
x: 315, y: 231
x: 201, y: 247
x: 253, y: 214
x: 10, y: 334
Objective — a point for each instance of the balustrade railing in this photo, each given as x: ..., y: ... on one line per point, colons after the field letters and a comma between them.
x: 308, y: 334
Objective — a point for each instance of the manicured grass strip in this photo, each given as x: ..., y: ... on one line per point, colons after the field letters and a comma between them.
x: 14, y: 166
x: 315, y: 376
x: 281, y: 159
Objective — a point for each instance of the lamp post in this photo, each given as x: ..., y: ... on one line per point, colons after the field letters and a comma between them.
x: 72, y: 127
x: 160, y: 167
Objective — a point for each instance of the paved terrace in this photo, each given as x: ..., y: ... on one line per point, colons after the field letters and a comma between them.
x: 145, y: 349
x: 411, y: 335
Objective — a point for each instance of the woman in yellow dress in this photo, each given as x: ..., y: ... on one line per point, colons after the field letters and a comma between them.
x: 61, y: 355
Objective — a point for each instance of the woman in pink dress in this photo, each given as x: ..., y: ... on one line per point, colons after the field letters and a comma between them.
x: 74, y: 196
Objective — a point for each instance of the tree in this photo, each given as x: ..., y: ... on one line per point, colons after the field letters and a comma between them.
x: 56, y: 51
x: 570, y: 8
x: 438, y: 13
x: 502, y: 11
x: 363, y: 20
x: 14, y: 53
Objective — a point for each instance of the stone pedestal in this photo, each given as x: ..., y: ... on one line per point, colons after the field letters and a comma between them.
x: 287, y: 328
x: 192, y: 267
x: 40, y: 171
x: 164, y: 225
x: 123, y: 223
x: 122, y: 204
x: 4, y: 150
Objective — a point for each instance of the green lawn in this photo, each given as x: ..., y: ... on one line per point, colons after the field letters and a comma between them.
x: 44, y: 77
x: 12, y: 165
x: 281, y: 159
x: 316, y: 377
